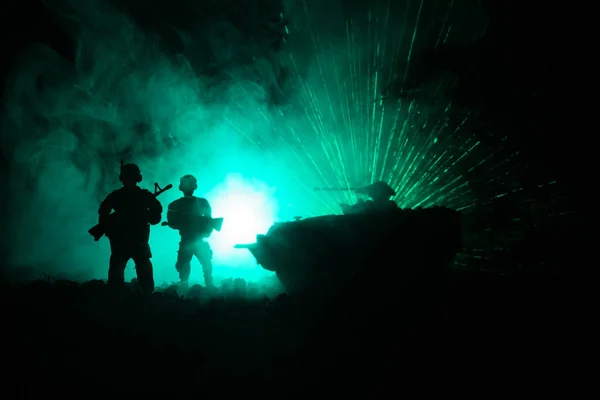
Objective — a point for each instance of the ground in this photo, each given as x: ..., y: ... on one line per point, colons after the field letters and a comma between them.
x: 455, y: 328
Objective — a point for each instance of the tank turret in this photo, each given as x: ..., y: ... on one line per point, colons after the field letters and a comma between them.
x: 327, y: 253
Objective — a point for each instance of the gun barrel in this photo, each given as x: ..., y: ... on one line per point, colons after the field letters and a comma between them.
x: 160, y: 191
x: 244, y: 246
x: 217, y: 224
x: 96, y: 231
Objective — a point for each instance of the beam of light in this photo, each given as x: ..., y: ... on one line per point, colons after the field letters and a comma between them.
x: 343, y: 134
x: 347, y: 136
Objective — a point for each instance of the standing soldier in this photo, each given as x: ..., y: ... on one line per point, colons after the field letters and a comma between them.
x: 128, y: 229
x: 191, y: 216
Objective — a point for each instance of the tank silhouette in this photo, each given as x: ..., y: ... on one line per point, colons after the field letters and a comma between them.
x: 328, y: 253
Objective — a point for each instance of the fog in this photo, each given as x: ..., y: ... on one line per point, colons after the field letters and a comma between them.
x: 250, y: 97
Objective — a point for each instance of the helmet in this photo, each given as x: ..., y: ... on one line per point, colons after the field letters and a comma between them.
x: 377, y: 189
x: 130, y: 173
x: 188, y: 183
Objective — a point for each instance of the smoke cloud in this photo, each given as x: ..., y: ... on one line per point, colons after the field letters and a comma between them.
x: 261, y: 100
x: 140, y: 88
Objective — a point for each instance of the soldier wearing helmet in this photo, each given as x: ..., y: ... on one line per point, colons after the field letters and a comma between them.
x: 135, y: 210
x: 380, y: 194
x: 189, y: 215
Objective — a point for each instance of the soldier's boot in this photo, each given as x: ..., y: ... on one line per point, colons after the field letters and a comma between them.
x: 208, y: 278
x: 183, y: 287
x: 116, y: 271
x: 184, y: 269
x: 145, y: 275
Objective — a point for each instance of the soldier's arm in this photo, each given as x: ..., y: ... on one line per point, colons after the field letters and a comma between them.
x: 106, y: 208
x: 173, y: 217
x: 155, y: 210
x: 206, y: 209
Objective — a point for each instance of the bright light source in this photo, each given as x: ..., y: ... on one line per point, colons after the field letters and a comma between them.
x: 249, y: 208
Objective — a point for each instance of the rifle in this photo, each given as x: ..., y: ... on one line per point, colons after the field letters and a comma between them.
x: 99, y: 230
x: 204, y: 224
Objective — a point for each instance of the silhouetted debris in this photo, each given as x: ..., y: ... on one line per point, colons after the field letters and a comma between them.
x: 197, y: 292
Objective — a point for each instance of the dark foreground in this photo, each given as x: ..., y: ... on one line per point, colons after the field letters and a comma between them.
x: 455, y: 328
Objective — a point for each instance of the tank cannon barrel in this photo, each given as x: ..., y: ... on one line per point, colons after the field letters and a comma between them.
x: 245, y: 246
x: 258, y: 252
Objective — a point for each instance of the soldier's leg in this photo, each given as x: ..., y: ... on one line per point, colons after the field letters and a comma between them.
x: 118, y: 261
x: 143, y: 267
x: 184, y: 259
x: 204, y: 255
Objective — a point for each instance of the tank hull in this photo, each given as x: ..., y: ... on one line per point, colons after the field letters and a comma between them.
x: 327, y: 254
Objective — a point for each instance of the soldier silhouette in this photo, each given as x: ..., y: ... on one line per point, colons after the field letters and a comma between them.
x: 189, y: 215
x: 380, y: 194
x: 128, y: 230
